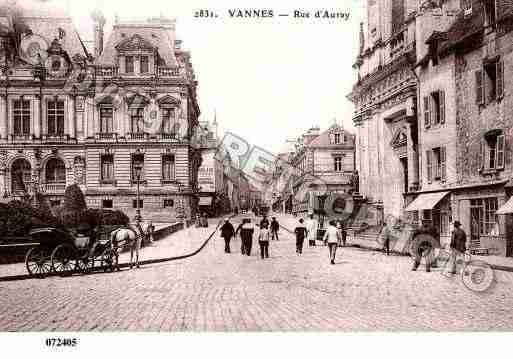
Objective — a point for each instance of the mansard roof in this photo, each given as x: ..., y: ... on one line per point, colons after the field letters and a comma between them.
x: 47, y: 21
x: 324, y: 139
x: 148, y: 36
x: 466, y: 26
x: 135, y: 42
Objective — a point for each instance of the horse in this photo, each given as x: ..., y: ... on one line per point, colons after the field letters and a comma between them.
x: 128, y: 235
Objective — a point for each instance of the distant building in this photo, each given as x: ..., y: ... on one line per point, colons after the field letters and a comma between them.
x: 324, y: 164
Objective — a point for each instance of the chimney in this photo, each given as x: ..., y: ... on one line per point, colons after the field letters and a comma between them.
x: 310, y: 135
x: 99, y: 23
x: 362, y: 41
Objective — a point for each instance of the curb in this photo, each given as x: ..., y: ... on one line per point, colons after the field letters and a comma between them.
x: 121, y: 265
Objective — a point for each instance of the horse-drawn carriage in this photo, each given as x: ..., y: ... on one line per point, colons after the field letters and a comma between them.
x: 63, y: 251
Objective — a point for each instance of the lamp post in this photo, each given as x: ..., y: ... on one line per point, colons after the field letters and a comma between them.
x: 138, y: 170
x: 40, y: 75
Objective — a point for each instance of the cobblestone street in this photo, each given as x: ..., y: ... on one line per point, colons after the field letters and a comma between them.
x: 228, y: 292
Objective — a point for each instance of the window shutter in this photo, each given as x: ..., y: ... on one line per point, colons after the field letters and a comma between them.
x: 481, y: 156
x: 429, y: 166
x: 500, y: 152
x: 479, y: 87
x: 443, y: 165
x: 427, y: 115
x: 500, y: 78
x: 442, y: 106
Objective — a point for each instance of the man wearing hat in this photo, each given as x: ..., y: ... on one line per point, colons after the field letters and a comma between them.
x: 458, y: 245
x: 227, y: 232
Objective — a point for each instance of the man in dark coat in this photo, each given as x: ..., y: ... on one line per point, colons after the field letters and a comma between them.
x: 264, y: 223
x: 246, y: 235
x: 227, y: 232
x: 458, y: 245
x: 426, y: 247
x: 275, y: 227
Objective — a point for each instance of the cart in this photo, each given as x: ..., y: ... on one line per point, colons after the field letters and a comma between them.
x: 62, y: 252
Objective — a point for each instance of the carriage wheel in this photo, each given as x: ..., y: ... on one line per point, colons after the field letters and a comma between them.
x: 107, y: 260
x: 38, y: 262
x: 64, y: 258
x: 84, y: 264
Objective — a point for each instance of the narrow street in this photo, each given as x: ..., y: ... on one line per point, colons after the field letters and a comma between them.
x: 215, y: 291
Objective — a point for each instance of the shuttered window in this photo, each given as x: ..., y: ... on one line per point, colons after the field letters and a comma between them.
x: 441, y: 99
x: 481, y: 158
x: 429, y: 163
x: 500, y: 78
x: 479, y: 87
x: 500, y: 152
x: 427, y: 113
x: 443, y: 164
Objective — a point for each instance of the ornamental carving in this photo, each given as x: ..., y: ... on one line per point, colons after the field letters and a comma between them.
x: 79, y: 170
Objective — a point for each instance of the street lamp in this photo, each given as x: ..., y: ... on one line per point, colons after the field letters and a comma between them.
x: 40, y: 74
x: 138, y: 170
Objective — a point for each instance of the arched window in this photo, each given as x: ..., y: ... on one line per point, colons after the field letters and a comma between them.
x: 55, y: 171
x: 20, y: 175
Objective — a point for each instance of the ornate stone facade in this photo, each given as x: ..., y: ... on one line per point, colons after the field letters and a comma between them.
x: 66, y: 117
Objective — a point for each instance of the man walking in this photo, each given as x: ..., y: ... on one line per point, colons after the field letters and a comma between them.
x: 311, y: 227
x: 227, y: 232
x: 264, y: 223
x: 385, y: 234
x: 331, y: 237
x: 275, y: 227
x: 427, y: 239
x: 246, y: 235
x: 301, y: 232
x: 458, y: 245
x: 263, y: 241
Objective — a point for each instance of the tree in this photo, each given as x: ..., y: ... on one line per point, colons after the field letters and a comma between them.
x: 74, y: 199
x: 74, y: 211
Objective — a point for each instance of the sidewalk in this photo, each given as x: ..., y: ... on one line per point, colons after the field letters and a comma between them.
x: 372, y: 241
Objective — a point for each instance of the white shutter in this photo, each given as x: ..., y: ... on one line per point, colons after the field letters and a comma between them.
x: 500, y: 152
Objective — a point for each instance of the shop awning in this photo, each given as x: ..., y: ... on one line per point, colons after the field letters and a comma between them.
x: 426, y: 201
x: 205, y: 201
x: 507, y: 208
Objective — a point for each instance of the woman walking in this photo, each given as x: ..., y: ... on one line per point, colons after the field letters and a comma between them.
x: 331, y: 237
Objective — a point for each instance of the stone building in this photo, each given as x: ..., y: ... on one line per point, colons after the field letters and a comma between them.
x: 461, y: 134
x: 385, y: 101
x: 474, y: 53
x: 323, y: 164
x: 67, y: 116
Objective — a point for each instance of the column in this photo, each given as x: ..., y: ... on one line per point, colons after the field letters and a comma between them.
x: 3, y: 117
x: 37, y: 118
x: 90, y: 116
x: 71, y: 117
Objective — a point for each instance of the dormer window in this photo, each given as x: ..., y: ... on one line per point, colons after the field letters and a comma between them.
x: 490, y: 12
x: 145, y: 65
x: 467, y: 7
x: 337, y: 138
x: 129, y: 64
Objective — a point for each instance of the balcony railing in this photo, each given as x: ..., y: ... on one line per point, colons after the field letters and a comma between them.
x: 168, y: 71
x: 106, y: 136
x: 168, y: 136
x: 106, y: 71
x: 167, y: 181
x: 56, y: 188
x: 22, y: 137
x: 55, y: 137
x: 137, y: 136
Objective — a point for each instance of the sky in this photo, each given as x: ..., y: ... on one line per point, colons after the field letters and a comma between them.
x: 267, y: 80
